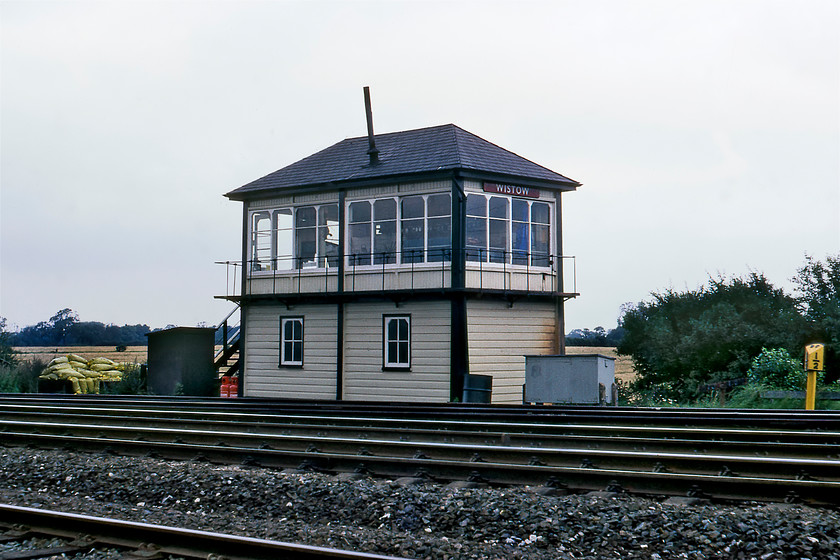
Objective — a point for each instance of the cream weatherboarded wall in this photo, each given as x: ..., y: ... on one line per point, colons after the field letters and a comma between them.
x: 501, y: 336
x: 364, y: 377
x: 316, y: 379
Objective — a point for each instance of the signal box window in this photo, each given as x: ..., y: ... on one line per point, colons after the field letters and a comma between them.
x: 410, y: 229
x: 397, y: 341
x: 508, y: 230
x: 291, y: 341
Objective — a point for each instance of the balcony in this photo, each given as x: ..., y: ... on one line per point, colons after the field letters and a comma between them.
x: 506, y: 272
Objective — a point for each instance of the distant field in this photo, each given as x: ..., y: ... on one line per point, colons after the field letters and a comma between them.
x: 623, y: 364
x: 132, y: 354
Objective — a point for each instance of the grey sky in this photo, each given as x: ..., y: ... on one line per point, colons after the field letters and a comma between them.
x: 706, y: 133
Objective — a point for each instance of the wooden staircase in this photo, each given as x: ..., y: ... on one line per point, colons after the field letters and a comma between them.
x: 226, y: 360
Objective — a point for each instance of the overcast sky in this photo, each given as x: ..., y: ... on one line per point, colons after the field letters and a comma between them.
x: 706, y: 134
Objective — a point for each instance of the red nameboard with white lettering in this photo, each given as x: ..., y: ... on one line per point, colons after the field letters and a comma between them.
x: 512, y: 190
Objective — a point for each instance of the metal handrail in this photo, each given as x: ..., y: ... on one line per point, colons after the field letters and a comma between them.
x: 229, y: 315
x: 487, y: 262
x: 235, y: 275
x: 229, y: 332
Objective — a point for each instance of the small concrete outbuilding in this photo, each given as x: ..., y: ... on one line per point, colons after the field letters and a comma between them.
x: 570, y: 379
x: 181, y: 362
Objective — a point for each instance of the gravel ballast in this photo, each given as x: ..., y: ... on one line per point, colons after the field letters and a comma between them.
x: 425, y: 520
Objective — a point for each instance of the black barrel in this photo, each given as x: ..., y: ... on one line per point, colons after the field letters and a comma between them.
x: 478, y: 388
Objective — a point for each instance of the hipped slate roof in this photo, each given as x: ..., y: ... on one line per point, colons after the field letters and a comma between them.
x: 425, y: 150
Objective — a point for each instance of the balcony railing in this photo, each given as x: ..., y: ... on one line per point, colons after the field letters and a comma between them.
x: 409, y: 270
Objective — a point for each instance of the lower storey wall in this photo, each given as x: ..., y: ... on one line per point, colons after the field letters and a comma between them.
x: 364, y: 375
x: 500, y: 336
x: 264, y: 377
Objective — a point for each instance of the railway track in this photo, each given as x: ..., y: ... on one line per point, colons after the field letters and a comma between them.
x: 515, y: 413
x: 775, y: 456
x: 80, y: 534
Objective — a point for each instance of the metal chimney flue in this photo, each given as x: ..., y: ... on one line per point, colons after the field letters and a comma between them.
x: 372, y: 152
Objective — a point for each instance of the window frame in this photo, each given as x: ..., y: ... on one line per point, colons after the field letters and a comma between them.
x: 397, y: 258
x: 261, y: 241
x: 287, y: 259
x: 283, y: 362
x: 386, y: 342
x: 516, y: 232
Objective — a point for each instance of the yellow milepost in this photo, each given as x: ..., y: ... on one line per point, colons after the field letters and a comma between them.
x: 814, y: 362
x: 811, y: 391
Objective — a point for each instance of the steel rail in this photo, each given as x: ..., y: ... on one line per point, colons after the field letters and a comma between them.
x: 758, y: 462
x: 249, y: 444
x: 534, y: 431
x: 815, y: 445
x: 525, y: 424
x: 168, y: 540
x: 659, y: 440
x: 454, y: 410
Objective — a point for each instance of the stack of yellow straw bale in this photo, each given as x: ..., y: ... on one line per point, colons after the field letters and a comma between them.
x: 85, y: 375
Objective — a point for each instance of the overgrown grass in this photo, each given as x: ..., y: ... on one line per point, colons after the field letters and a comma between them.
x: 629, y: 396
x: 749, y: 396
x: 21, y: 377
x: 133, y: 382
x: 745, y: 396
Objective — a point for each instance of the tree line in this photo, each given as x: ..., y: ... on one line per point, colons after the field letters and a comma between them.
x: 599, y: 336
x: 65, y: 329
x: 729, y: 329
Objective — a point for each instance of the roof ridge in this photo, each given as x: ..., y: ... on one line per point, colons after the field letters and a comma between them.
x: 422, y: 128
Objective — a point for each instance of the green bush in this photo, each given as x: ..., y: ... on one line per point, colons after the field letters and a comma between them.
x: 8, y: 379
x: 21, y: 377
x: 684, y: 341
x: 776, y: 369
x: 133, y: 382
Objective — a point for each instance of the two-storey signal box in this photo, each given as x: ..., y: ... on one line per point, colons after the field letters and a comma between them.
x: 390, y: 267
